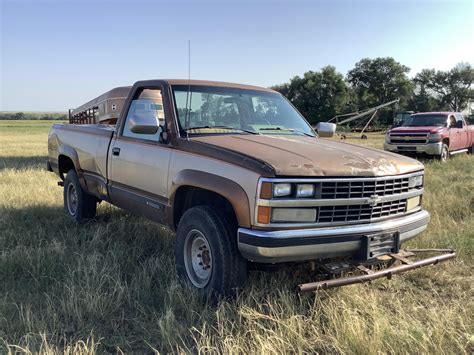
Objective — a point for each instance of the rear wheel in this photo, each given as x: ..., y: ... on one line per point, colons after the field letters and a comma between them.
x: 79, y: 205
x: 207, y: 256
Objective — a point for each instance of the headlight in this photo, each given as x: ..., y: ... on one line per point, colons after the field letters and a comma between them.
x: 281, y: 190
x: 434, y: 138
x: 387, y: 138
x: 415, y: 181
x: 304, y: 190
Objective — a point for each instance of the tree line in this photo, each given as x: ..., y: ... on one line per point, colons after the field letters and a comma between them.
x: 321, y: 95
x: 33, y: 116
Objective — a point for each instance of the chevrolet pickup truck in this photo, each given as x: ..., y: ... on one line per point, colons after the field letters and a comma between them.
x: 437, y: 134
x: 239, y: 174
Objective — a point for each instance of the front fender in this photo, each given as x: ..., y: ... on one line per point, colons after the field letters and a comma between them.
x: 229, y: 189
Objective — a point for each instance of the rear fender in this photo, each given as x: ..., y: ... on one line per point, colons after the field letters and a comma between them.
x: 71, y: 153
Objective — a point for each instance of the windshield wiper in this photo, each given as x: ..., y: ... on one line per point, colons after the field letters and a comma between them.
x: 275, y: 129
x: 285, y: 129
x: 223, y: 127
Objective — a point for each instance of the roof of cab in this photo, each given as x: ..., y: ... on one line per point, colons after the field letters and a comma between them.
x: 203, y: 83
x: 435, y: 113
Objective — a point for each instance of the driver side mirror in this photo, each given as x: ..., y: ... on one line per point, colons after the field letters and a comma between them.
x: 326, y: 129
x: 146, y: 123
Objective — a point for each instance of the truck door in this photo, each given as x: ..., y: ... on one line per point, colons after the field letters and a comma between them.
x: 462, y: 131
x: 138, y: 163
x: 455, y: 134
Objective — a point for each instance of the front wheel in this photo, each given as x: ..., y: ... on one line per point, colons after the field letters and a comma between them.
x: 444, y: 156
x: 207, y: 256
x: 78, y: 205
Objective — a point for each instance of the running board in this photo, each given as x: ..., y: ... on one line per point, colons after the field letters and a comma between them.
x: 369, y: 275
x: 458, y: 151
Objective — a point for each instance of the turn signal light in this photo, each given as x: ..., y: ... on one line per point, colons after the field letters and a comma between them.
x: 263, y: 215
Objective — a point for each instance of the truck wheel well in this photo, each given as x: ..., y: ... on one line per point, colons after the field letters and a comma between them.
x: 187, y: 197
x: 64, y: 165
x: 446, y: 141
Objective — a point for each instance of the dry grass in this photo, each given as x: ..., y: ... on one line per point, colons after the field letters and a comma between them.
x: 109, y: 285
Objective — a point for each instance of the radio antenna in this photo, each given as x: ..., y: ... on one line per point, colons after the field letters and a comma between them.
x: 188, y: 94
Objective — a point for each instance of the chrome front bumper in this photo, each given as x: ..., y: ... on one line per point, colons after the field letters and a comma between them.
x: 429, y: 148
x: 320, y: 243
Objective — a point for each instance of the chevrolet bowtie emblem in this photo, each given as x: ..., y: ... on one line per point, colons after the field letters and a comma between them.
x: 374, y: 200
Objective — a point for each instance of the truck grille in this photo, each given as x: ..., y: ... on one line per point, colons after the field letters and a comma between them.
x: 361, y: 189
x: 328, y: 214
x: 411, y: 141
x: 407, y: 138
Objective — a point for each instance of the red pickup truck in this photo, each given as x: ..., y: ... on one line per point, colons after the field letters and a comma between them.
x: 438, y: 134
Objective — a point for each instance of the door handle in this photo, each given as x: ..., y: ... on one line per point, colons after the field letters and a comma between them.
x: 116, y: 151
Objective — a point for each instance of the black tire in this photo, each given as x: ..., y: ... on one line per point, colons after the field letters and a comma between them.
x: 223, y: 268
x: 444, y: 156
x: 471, y: 150
x: 78, y: 205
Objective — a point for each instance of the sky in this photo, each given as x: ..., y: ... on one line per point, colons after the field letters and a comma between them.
x: 56, y: 55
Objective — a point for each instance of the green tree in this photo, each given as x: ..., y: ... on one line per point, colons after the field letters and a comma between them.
x: 422, y: 99
x: 19, y: 116
x: 449, y: 89
x: 379, y: 80
x: 318, y: 95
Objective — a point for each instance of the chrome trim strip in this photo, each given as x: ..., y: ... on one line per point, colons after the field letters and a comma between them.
x: 458, y: 151
x: 345, y: 179
x: 407, y: 134
x: 304, y: 202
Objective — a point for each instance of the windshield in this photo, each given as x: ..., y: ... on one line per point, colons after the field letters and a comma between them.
x: 230, y: 110
x: 425, y: 120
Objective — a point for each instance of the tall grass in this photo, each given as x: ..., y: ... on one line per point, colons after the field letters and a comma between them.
x: 109, y: 285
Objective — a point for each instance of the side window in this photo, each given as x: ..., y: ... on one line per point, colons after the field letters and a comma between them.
x: 459, y: 118
x: 149, y: 102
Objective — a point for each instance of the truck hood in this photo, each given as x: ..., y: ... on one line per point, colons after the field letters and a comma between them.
x: 421, y: 129
x: 306, y: 156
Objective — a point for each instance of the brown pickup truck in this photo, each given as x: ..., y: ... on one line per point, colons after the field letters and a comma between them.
x: 437, y: 134
x: 239, y: 174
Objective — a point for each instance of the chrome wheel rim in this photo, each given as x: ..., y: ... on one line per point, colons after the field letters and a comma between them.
x: 72, y: 199
x: 444, y: 154
x: 197, y: 258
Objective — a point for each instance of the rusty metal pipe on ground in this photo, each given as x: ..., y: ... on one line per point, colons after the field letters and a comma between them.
x: 326, y: 284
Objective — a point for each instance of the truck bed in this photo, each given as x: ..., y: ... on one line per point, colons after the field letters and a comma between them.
x: 89, y: 141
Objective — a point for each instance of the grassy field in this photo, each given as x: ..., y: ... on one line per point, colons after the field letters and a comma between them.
x: 109, y: 285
